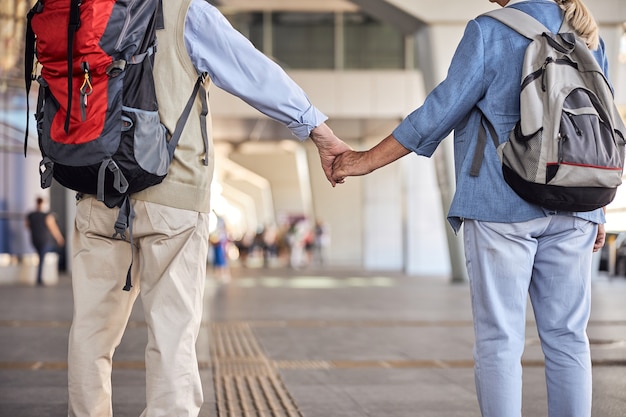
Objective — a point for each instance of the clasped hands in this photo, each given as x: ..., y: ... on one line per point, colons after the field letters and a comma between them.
x: 340, y: 161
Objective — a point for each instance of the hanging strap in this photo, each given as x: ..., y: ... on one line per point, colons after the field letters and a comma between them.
x: 124, y: 221
x: 72, y: 27
x: 479, y: 152
x: 198, y: 88
x: 203, y: 122
x: 120, y: 183
x: 46, y: 167
x: 160, y: 21
x: 29, y: 62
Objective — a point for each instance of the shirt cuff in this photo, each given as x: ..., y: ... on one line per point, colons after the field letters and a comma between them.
x: 309, y: 120
x: 405, y: 133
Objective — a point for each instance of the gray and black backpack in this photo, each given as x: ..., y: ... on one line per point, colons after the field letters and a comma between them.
x: 567, y: 150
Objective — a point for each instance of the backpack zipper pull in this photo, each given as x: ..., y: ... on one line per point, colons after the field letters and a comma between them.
x: 34, y: 73
x: 561, y: 140
x: 85, y: 90
x: 576, y: 128
x: 549, y: 60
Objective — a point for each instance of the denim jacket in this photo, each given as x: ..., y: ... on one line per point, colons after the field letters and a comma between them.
x: 484, y: 76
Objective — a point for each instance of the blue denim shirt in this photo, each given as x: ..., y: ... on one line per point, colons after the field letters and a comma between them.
x: 485, y: 76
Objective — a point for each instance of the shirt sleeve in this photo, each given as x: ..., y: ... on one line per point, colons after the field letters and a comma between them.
x: 236, y: 66
x: 450, y: 102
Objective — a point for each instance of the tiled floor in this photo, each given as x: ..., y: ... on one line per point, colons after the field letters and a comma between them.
x: 311, y: 343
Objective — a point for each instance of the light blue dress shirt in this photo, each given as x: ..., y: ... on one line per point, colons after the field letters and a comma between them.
x: 484, y: 74
x: 236, y: 66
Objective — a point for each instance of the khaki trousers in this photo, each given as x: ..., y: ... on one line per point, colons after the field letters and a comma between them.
x: 169, y: 271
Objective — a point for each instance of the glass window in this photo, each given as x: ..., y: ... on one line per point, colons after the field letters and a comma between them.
x: 250, y: 25
x: 304, y: 40
x: 308, y: 40
x: 371, y: 44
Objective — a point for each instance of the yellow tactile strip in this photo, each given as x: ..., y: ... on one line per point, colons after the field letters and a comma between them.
x: 237, y: 354
x: 306, y: 323
x: 310, y: 365
x: 247, y: 383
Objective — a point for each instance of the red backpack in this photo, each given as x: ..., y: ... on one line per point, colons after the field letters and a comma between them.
x: 97, y: 112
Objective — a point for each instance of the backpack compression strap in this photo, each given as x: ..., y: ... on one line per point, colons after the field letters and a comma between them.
x: 120, y: 183
x: 125, y: 221
x: 160, y: 20
x: 29, y: 58
x: 72, y: 27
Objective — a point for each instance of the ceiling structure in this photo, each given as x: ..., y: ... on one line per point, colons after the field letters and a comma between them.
x: 402, y: 11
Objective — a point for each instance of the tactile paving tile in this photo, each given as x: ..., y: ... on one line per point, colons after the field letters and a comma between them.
x: 246, y: 383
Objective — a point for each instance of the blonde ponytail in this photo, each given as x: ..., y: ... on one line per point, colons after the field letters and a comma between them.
x: 581, y: 20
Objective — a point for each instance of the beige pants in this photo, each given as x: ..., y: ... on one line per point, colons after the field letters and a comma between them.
x: 170, y: 252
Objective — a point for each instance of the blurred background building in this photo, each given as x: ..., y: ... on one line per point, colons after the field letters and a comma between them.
x: 366, y: 64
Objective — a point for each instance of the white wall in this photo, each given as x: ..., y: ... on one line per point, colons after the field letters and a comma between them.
x: 383, y: 217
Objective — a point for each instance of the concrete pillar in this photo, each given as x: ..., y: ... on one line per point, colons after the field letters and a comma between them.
x: 436, y: 45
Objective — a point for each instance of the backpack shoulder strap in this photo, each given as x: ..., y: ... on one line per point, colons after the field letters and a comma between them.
x: 479, y: 152
x: 182, y: 120
x: 160, y: 22
x: 521, y: 22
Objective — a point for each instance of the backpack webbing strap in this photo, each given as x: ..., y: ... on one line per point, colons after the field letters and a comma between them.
x: 479, y: 152
x: 160, y: 21
x: 46, y: 167
x: 125, y: 221
x: 29, y: 58
x: 120, y: 183
x: 72, y: 27
x: 171, y: 145
x: 139, y: 58
x: 203, y: 116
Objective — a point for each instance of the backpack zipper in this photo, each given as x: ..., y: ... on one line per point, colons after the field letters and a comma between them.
x: 85, y: 90
x: 561, y: 140
x: 129, y: 17
x: 549, y: 60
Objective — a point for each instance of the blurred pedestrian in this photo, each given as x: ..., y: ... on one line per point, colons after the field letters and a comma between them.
x: 45, y: 234
x: 321, y: 242
x: 219, y: 242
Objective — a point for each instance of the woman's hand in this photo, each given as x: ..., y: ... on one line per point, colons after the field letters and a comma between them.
x: 355, y: 163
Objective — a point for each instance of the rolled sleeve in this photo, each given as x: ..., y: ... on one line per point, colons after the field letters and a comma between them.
x: 450, y: 102
x: 309, y: 120
x: 406, y: 134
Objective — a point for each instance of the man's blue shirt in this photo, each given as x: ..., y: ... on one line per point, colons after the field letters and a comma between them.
x: 236, y: 66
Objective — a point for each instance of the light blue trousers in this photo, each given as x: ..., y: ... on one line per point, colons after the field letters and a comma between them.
x: 550, y: 260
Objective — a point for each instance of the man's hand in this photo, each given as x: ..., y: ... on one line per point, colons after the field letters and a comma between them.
x: 329, y: 147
